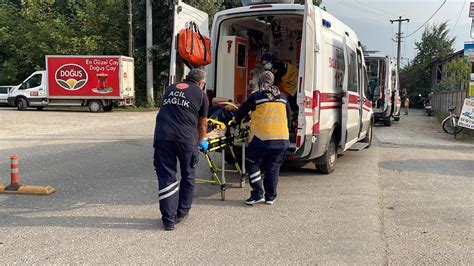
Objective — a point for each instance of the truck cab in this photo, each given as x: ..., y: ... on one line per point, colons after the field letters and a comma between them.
x: 31, y: 92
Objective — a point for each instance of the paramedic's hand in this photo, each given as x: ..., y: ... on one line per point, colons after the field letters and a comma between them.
x: 204, y: 145
x: 232, y: 123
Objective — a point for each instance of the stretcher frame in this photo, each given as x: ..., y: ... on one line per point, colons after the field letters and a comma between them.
x: 223, y: 144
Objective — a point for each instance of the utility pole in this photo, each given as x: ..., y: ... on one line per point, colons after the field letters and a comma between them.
x: 149, y: 61
x: 399, y: 37
x: 130, y: 29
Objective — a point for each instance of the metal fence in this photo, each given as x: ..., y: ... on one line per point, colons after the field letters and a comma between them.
x: 442, y: 100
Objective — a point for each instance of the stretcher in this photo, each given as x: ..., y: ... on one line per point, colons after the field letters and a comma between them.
x: 222, y: 139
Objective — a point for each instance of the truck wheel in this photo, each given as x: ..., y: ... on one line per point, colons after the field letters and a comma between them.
x: 327, y: 163
x: 95, y: 106
x: 369, y: 136
x: 387, y: 122
x: 108, y: 108
x: 21, y: 104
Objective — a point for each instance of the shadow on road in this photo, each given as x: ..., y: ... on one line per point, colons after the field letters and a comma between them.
x: 463, y: 168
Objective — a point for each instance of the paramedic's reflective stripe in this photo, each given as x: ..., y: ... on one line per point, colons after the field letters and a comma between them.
x: 272, y: 137
x: 255, y: 177
x: 268, y: 100
x: 255, y: 174
x: 164, y: 196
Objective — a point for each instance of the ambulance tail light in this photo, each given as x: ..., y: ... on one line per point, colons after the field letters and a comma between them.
x: 260, y: 6
x: 316, y: 108
x: 298, y: 141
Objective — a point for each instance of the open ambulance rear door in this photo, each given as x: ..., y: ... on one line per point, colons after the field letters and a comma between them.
x: 351, y: 97
x: 183, y: 14
x: 307, y: 72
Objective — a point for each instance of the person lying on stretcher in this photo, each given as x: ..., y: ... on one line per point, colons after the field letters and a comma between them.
x: 222, y: 109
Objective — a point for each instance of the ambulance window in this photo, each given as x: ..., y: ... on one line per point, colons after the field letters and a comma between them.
x: 33, y: 82
x: 352, y: 71
x: 4, y: 90
x: 241, y: 49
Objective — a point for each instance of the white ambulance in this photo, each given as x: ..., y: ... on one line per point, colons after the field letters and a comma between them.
x: 334, y: 113
x: 383, y: 87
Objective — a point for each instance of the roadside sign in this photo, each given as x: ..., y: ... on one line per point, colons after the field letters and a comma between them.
x: 471, y: 10
x: 467, y: 115
x: 469, y: 51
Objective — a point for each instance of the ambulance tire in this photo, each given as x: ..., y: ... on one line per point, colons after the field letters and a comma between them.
x: 21, y: 104
x: 327, y: 163
x: 387, y: 122
x: 95, y: 106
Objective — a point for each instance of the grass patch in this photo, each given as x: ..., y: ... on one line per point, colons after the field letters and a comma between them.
x: 466, y: 135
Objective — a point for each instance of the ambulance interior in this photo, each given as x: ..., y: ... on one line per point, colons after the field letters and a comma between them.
x: 376, y: 69
x: 242, y: 42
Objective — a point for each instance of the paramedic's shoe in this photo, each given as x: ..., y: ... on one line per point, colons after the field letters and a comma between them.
x: 252, y: 201
x: 269, y: 202
x: 180, y: 218
x: 168, y: 227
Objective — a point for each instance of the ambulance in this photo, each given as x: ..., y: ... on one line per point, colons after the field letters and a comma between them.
x: 334, y: 113
x: 383, y: 85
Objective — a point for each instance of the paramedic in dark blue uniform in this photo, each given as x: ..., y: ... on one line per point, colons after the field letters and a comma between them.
x: 269, y: 138
x: 180, y: 125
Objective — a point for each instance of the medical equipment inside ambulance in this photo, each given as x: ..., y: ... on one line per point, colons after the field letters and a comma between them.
x: 244, y: 40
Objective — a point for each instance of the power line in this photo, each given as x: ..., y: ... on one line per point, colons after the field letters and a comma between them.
x: 383, y: 12
x: 427, y: 20
x: 365, y: 9
x: 459, y: 16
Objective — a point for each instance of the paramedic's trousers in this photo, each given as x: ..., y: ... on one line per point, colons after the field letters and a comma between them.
x: 175, y: 196
x: 264, y: 162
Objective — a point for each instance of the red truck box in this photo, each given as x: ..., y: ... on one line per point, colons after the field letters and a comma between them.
x: 104, y: 77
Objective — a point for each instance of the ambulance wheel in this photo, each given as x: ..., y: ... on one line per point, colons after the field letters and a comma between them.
x: 327, y: 163
x: 95, y: 106
x: 108, y: 108
x: 387, y: 122
x: 222, y: 193
x: 21, y: 104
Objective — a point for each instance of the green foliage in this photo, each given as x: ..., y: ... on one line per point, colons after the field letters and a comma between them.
x: 435, y: 43
x: 32, y: 29
x: 457, y: 74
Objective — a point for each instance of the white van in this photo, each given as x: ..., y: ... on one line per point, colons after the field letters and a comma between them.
x: 334, y: 112
x: 383, y: 87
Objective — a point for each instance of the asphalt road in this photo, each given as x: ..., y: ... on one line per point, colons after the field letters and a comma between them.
x: 407, y: 199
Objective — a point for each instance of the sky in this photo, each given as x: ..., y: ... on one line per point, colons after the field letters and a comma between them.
x: 370, y: 19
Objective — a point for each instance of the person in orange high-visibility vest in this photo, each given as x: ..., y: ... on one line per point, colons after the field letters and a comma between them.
x: 269, y: 138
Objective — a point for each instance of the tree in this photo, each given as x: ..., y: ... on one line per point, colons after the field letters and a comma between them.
x: 435, y: 43
x: 457, y: 74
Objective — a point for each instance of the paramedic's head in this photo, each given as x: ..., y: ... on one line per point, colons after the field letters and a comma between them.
x: 266, y: 61
x: 197, y: 76
x: 266, y: 77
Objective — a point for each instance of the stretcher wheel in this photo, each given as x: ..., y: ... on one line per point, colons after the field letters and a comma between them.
x: 223, y: 193
x: 242, y: 183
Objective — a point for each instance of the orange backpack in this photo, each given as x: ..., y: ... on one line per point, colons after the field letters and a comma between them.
x: 193, y: 46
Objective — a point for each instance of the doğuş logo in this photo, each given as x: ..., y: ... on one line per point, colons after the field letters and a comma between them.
x: 71, y: 77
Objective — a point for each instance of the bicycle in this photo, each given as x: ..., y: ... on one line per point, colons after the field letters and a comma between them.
x: 450, y: 123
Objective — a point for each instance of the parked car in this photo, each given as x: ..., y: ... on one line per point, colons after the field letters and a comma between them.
x: 4, y: 91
